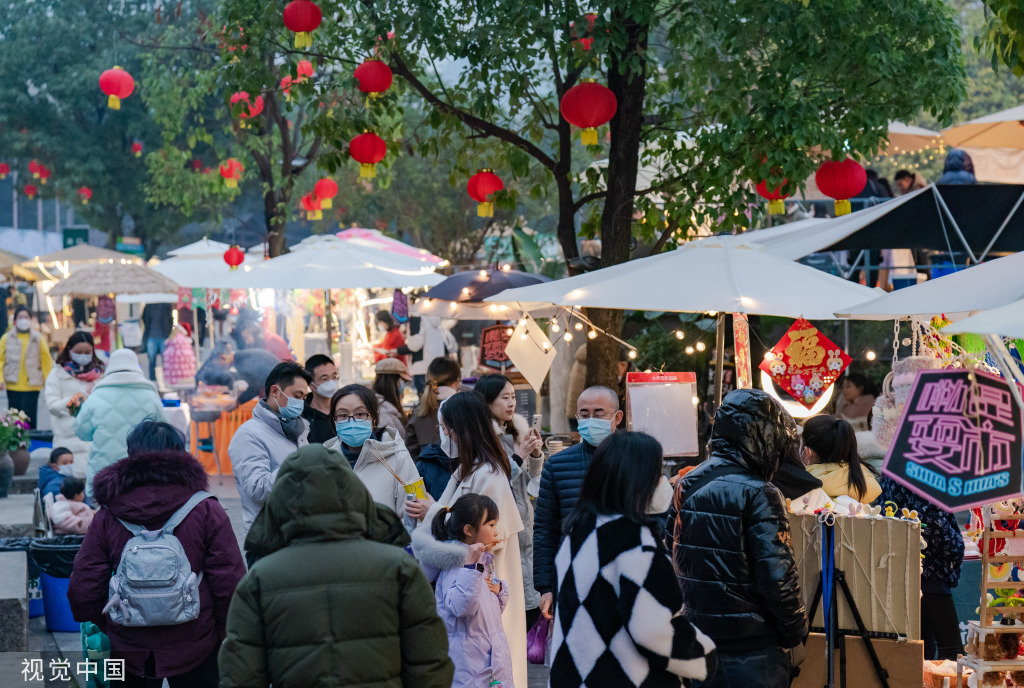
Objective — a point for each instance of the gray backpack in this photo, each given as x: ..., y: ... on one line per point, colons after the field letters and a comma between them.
x: 154, y: 584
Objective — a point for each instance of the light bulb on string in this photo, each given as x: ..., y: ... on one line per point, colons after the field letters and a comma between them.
x: 592, y: 334
x: 679, y: 334
x: 689, y: 350
x: 508, y: 331
x: 578, y: 327
x: 555, y: 327
x: 546, y: 345
x: 870, y: 355
x: 701, y: 346
x: 568, y: 337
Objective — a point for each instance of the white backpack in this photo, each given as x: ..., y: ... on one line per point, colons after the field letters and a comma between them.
x: 154, y: 584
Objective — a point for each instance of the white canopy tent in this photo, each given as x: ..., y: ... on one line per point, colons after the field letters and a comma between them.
x: 998, y: 130
x: 201, y: 271
x: 203, y: 247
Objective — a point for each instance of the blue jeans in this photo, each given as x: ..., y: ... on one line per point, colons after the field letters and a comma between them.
x: 767, y: 667
x: 154, y: 346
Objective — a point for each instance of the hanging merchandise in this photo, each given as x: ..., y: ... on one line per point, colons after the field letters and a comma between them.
x: 5, y: 170
x: 400, y: 306
x: 326, y: 189
x: 85, y: 193
x: 588, y: 105
x: 118, y: 85
x: 367, y: 149
x: 374, y: 77
x: 775, y: 197
x: 137, y: 149
x: 302, y: 17
x: 805, y: 363
x: 841, y: 181
x: 231, y: 170
x: 234, y: 257
x: 741, y: 340
x: 31, y: 190
x: 480, y: 188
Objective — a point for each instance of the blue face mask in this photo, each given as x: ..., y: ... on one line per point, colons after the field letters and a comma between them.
x: 595, y: 430
x: 292, y: 410
x: 354, y: 432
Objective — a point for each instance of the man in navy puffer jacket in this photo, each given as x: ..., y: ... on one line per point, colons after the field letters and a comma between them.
x: 561, y: 480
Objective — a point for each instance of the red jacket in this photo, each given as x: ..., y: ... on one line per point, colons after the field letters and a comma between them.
x: 392, y: 340
x: 147, y: 489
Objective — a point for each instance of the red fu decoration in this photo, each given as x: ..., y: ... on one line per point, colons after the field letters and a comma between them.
x: 234, y: 257
x: 325, y: 190
x: 31, y: 190
x: 841, y: 181
x: 367, y: 149
x: 137, y: 149
x: 480, y: 187
x: 302, y: 17
x: 118, y: 85
x: 589, y: 105
x: 374, y: 77
x: 805, y: 363
x: 85, y: 193
x: 231, y: 170
x: 775, y: 197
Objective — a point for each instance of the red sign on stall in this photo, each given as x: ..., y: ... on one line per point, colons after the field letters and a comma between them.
x: 493, y: 341
x: 805, y: 363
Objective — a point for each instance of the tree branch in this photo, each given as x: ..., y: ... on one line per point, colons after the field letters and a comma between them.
x: 583, y: 200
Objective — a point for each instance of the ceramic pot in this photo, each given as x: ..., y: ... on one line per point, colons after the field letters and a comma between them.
x: 21, y: 459
x: 6, y: 473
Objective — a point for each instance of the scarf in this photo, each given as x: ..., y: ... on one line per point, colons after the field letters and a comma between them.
x: 292, y: 429
x: 90, y: 373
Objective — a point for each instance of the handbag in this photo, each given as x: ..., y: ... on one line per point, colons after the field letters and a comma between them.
x: 537, y: 640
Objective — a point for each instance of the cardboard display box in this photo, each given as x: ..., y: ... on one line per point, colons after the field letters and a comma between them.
x: 882, y: 561
x: 903, y: 661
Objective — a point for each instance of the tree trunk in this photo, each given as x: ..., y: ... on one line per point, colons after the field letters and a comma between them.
x: 617, y: 218
x: 277, y: 241
x: 566, y: 202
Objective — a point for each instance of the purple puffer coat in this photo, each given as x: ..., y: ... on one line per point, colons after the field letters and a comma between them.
x: 470, y: 611
x: 147, y: 489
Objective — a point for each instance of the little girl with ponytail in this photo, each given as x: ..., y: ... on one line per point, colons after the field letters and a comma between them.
x: 470, y: 599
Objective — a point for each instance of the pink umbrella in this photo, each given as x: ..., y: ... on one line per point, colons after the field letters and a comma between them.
x: 371, y: 238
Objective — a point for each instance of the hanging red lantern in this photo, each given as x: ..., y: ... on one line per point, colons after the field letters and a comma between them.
x: 137, y: 149
x: 5, y: 170
x: 312, y: 206
x: 588, y: 105
x: 249, y: 108
x: 302, y: 17
x: 841, y: 181
x: 367, y: 149
x: 374, y: 77
x: 85, y: 193
x: 303, y: 70
x: 231, y: 170
x: 118, y: 85
x: 286, y: 86
x: 197, y: 164
x: 588, y: 39
x: 31, y: 190
x: 325, y: 190
x: 775, y: 197
x: 44, y: 173
x: 234, y: 257
x: 33, y: 167
x: 480, y: 187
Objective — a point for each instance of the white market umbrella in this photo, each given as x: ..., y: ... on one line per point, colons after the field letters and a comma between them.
x: 203, y: 247
x: 372, y: 238
x: 201, y: 271
x: 714, y: 274
x: 326, y: 262
x: 1005, y: 321
x: 998, y: 130
x: 991, y: 284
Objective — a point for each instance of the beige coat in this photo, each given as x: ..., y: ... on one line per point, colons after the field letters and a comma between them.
x: 383, y: 486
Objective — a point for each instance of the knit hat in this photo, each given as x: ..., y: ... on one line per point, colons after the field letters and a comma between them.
x: 394, y: 366
x: 123, y: 360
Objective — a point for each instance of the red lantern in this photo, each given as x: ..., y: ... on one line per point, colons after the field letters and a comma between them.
x: 249, y: 109
x: 304, y: 69
x: 367, y: 149
x: 234, y: 257
x: 374, y: 77
x: 117, y: 84
x: 586, y: 42
x: 588, y: 105
x: 5, y: 170
x: 286, y: 86
x: 137, y: 149
x: 775, y: 197
x: 841, y: 181
x: 85, y: 193
x: 302, y: 17
x: 312, y: 206
x: 44, y: 173
x: 480, y: 187
x: 325, y: 190
x: 33, y: 167
x: 231, y: 170
x: 31, y: 190
x: 197, y: 164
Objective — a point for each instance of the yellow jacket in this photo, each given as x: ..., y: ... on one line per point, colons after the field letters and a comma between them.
x: 45, y: 361
x: 834, y: 479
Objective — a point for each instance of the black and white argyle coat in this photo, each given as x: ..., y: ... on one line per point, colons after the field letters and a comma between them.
x: 617, y: 612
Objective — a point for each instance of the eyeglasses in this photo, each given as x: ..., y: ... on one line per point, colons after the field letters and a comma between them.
x: 599, y: 415
x: 343, y: 418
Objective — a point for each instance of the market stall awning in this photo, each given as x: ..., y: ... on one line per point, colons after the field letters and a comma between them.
x: 203, y: 247
x: 714, y: 274
x: 199, y: 271
x: 906, y: 138
x: 114, y: 278
x: 977, y: 220
x: 989, y: 285
x: 326, y: 262
x: 82, y: 253
x: 372, y: 238
x: 1005, y: 321
x: 12, y: 268
x: 998, y: 130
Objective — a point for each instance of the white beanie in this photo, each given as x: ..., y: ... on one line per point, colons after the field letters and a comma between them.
x: 123, y: 360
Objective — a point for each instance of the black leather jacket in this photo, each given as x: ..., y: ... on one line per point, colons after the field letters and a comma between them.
x: 732, y: 550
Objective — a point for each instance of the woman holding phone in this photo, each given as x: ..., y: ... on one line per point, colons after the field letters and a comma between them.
x: 522, y: 445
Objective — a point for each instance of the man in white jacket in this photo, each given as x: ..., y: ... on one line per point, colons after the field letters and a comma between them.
x: 275, y: 430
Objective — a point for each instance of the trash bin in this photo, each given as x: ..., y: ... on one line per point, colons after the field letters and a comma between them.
x: 55, y: 557
x: 35, y: 595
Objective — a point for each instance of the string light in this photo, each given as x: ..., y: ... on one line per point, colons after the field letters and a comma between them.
x: 568, y: 337
x: 508, y: 331
x: 578, y: 327
x: 701, y: 346
x: 483, y: 274
x: 679, y: 334
x: 632, y: 354
x: 555, y: 327
x: 592, y: 334
x: 465, y: 291
x: 546, y: 345
x: 870, y: 355
x: 689, y: 350
x: 712, y: 314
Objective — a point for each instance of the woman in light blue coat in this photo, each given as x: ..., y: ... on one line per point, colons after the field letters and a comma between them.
x: 470, y: 598
x: 119, y: 401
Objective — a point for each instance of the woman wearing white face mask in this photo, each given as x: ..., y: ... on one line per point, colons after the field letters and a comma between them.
x: 25, y: 362
x: 377, y: 454
x: 317, y: 411
x: 76, y: 371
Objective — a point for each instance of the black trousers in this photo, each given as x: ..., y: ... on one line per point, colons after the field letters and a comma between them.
x: 25, y: 401
x: 206, y: 675
x: 940, y: 627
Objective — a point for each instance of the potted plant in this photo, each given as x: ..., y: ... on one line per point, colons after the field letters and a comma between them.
x: 14, y: 440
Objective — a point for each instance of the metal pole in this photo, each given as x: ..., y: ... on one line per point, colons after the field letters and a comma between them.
x: 719, y: 362
x: 14, y: 200
x: 327, y: 321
